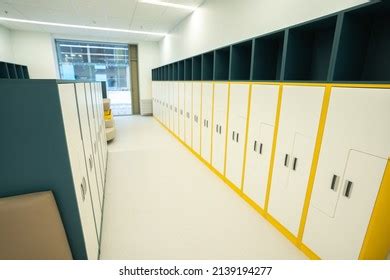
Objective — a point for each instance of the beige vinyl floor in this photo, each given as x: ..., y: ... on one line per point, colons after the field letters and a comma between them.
x: 163, y: 203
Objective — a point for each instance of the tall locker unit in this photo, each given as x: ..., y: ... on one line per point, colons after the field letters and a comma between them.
x: 188, y: 112
x: 206, y: 122
x: 93, y: 133
x: 170, y: 102
x: 181, y: 111
x: 264, y: 100
x: 52, y: 143
x: 354, y: 152
x: 196, y: 104
x: 221, y: 94
x: 298, y: 126
x: 176, y: 108
x: 159, y: 100
x: 237, y: 121
x: 166, y: 103
x: 82, y: 93
x: 103, y: 139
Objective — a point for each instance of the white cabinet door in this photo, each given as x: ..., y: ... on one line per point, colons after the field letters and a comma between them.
x: 81, y: 96
x: 221, y: 92
x: 207, y: 110
x: 170, y: 106
x: 357, y: 120
x: 196, y: 101
x: 239, y: 95
x: 176, y: 107
x: 79, y: 169
x: 298, y: 126
x: 188, y: 112
x: 181, y: 111
x: 264, y: 101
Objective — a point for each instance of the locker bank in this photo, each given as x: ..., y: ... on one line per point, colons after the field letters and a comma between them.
x: 199, y: 129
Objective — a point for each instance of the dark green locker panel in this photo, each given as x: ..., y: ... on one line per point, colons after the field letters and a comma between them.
x: 153, y: 74
x: 4, y: 71
x: 309, y: 49
x: 267, y: 57
x: 25, y: 72
x: 170, y: 72
x: 222, y: 64
x: 364, y: 46
x: 197, y: 68
x: 160, y: 74
x: 188, y: 69
x: 175, y: 72
x: 241, y: 61
x: 208, y: 66
x: 166, y: 73
x: 181, y: 70
x: 12, y: 71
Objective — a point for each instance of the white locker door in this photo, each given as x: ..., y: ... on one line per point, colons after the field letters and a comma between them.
x: 188, y: 111
x: 81, y: 95
x: 79, y: 168
x: 92, y: 127
x: 357, y: 120
x: 298, y: 126
x: 176, y: 107
x: 181, y: 111
x: 166, y: 105
x: 239, y: 94
x: 196, y: 101
x: 264, y: 101
x: 171, y: 105
x: 103, y: 132
x: 221, y: 92
x: 207, y: 109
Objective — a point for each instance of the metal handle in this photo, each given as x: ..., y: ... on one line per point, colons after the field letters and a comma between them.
x: 348, y: 189
x: 233, y: 135
x: 220, y: 129
x: 83, y: 189
x: 261, y: 148
x: 216, y: 128
x: 237, y: 135
x: 255, y: 146
x: 286, y: 160
x: 90, y: 162
x: 334, y: 182
x: 294, y: 167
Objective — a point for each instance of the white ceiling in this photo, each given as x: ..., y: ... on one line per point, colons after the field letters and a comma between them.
x: 122, y: 14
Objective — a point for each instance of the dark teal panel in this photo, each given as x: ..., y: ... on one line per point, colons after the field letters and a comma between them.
x: 181, y: 70
x: 34, y: 154
x: 19, y: 71
x: 267, y: 60
x: 222, y: 64
x: 12, y: 71
x: 208, y: 66
x: 241, y: 61
x: 188, y: 69
x: 364, y: 47
x: 197, y: 68
x: 4, y: 71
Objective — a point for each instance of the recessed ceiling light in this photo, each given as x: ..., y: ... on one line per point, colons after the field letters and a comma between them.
x: 81, y: 26
x: 167, y: 4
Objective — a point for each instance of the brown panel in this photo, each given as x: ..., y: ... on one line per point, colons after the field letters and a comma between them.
x: 135, y: 100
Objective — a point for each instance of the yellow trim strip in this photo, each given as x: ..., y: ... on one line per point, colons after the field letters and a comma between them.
x: 227, y: 128
x: 376, y: 243
x: 272, y: 160
x: 308, y: 252
x: 246, y: 137
x: 212, y: 125
x: 316, y: 155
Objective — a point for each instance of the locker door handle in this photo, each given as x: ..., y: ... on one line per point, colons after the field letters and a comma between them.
x: 237, y: 135
x: 294, y: 167
x: 90, y: 162
x: 335, y: 180
x: 216, y: 128
x: 348, y: 188
x: 83, y: 188
x: 220, y: 129
x: 255, y: 146
x: 233, y: 136
x: 261, y: 148
x: 286, y: 160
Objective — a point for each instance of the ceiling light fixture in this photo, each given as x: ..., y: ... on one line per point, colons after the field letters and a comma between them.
x: 167, y: 4
x: 81, y: 26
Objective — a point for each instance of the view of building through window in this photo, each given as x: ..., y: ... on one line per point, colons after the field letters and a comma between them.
x: 93, y: 61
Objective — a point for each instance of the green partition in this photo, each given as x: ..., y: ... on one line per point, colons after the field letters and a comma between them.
x: 222, y: 64
x: 166, y: 73
x: 181, y: 70
x: 241, y: 61
x: 4, y: 71
x: 267, y: 57
x: 188, y: 69
x: 175, y: 71
x: 19, y: 71
x: 208, y: 66
x: 364, y: 47
x: 197, y: 68
x: 309, y: 49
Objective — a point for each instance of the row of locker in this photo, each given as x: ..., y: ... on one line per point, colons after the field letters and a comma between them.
x: 82, y: 111
x: 312, y: 156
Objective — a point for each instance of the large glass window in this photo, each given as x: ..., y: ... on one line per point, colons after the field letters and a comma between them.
x: 96, y: 61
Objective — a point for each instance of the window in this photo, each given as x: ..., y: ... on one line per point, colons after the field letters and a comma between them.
x: 96, y: 61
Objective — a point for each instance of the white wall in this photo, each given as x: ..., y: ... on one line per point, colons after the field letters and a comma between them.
x: 6, y: 53
x: 35, y: 49
x: 222, y: 22
x: 148, y: 58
